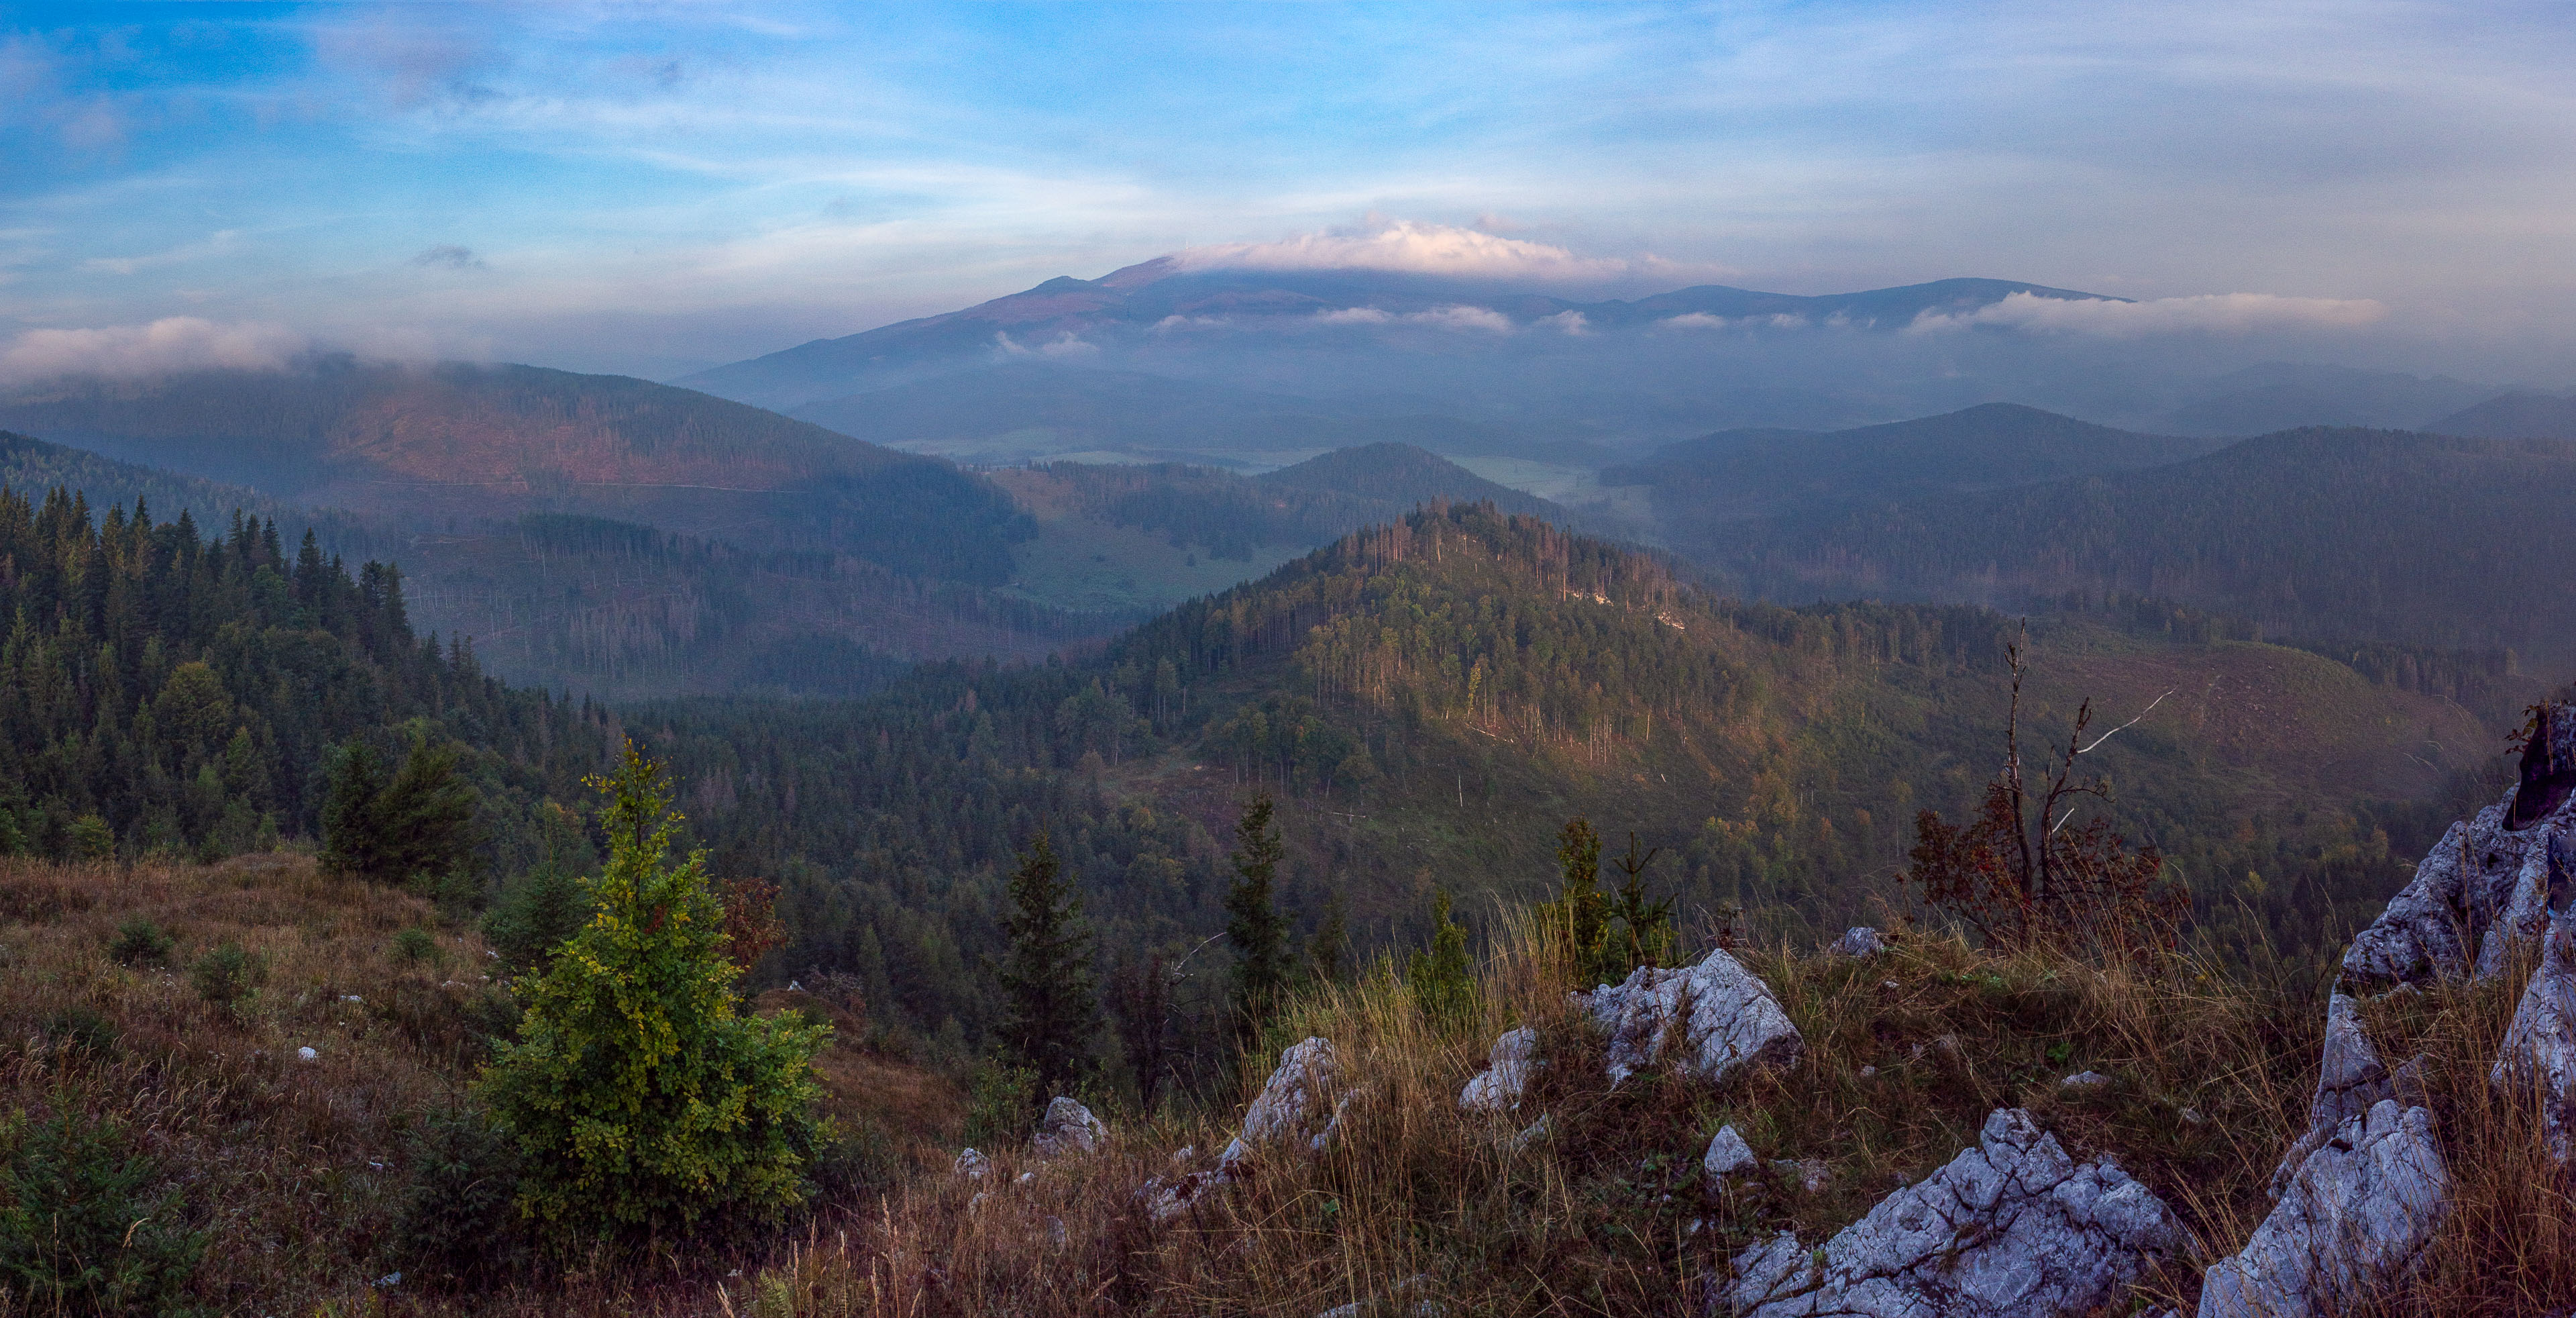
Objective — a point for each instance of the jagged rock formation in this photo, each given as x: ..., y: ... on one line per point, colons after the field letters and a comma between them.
x: 972, y: 1165
x: 2491, y: 880
x: 1724, y: 1015
x: 2540, y: 1046
x: 1286, y: 1110
x: 2349, y: 1082
x: 1068, y: 1127
x: 2354, y: 1218
x: 1294, y: 1094
x: 1498, y: 1087
x: 2013, y: 1228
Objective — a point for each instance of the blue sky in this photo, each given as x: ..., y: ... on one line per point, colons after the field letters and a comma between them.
x: 653, y: 188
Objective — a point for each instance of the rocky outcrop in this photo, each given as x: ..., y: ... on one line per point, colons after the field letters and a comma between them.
x: 2491, y: 879
x: 2350, y: 1081
x: 2013, y: 1228
x: 1068, y: 1127
x: 2539, y: 1053
x: 1497, y: 1088
x: 2353, y: 1218
x: 971, y: 1164
x: 1290, y: 1102
x: 1291, y: 1110
x: 1705, y: 1021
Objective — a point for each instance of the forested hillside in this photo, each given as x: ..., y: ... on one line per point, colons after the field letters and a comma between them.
x: 427, y: 444
x: 162, y: 691
x: 1701, y: 484
x: 2320, y: 535
x: 1431, y: 700
x: 614, y: 609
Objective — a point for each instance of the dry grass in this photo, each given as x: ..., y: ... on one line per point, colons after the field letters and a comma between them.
x: 295, y: 1168
x: 1606, y: 1214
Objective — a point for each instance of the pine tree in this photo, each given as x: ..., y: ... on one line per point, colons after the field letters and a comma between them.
x: 1580, y: 914
x: 642, y: 1100
x: 1254, y: 926
x: 1052, y: 1005
x: 1441, y: 979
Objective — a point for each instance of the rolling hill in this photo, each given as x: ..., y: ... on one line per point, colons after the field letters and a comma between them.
x: 2354, y: 535
x: 427, y: 445
x: 1701, y: 484
x: 2513, y: 416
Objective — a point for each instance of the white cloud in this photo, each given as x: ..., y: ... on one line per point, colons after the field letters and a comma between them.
x: 2215, y: 313
x: 175, y: 343
x: 1456, y: 316
x: 1571, y: 322
x: 1692, y: 320
x: 1409, y: 247
x: 1062, y: 346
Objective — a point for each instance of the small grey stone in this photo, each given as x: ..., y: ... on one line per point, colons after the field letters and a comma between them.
x: 972, y: 1165
x: 1859, y: 940
x: 1529, y: 1135
x: 1728, y: 1155
x: 2087, y: 1081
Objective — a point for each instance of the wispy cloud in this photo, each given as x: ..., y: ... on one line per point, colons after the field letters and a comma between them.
x: 449, y: 256
x: 175, y: 343
x: 2208, y: 313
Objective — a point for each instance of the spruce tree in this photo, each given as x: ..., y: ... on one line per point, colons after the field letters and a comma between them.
x: 1052, y: 1005
x: 1580, y: 915
x: 642, y: 1099
x: 1254, y: 926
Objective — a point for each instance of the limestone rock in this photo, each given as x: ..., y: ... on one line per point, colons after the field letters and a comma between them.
x: 1728, y: 1155
x: 972, y: 1165
x: 2354, y: 1218
x: 2086, y: 1082
x: 1705, y: 1020
x: 2351, y: 1079
x: 1289, y: 1102
x: 2491, y: 879
x: 2540, y: 1046
x: 2013, y: 1227
x: 1068, y: 1127
x: 1498, y: 1087
x: 1529, y: 1135
x: 1859, y: 940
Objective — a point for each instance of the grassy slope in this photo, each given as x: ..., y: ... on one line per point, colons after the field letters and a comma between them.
x: 1607, y: 1213
x: 295, y: 1169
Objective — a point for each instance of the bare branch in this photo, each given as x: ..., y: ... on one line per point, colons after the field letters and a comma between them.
x: 2150, y: 709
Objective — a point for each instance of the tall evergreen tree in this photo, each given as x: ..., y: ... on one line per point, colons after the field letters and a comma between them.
x: 1254, y: 926
x: 1051, y: 1001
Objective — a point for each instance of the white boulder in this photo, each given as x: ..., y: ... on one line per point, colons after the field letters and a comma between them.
x: 1498, y: 1087
x: 1705, y: 1020
x: 1289, y: 1103
x: 1068, y: 1127
x: 2013, y: 1228
x: 1859, y: 940
x: 972, y: 1165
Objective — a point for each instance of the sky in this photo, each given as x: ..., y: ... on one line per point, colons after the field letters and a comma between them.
x: 655, y: 188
